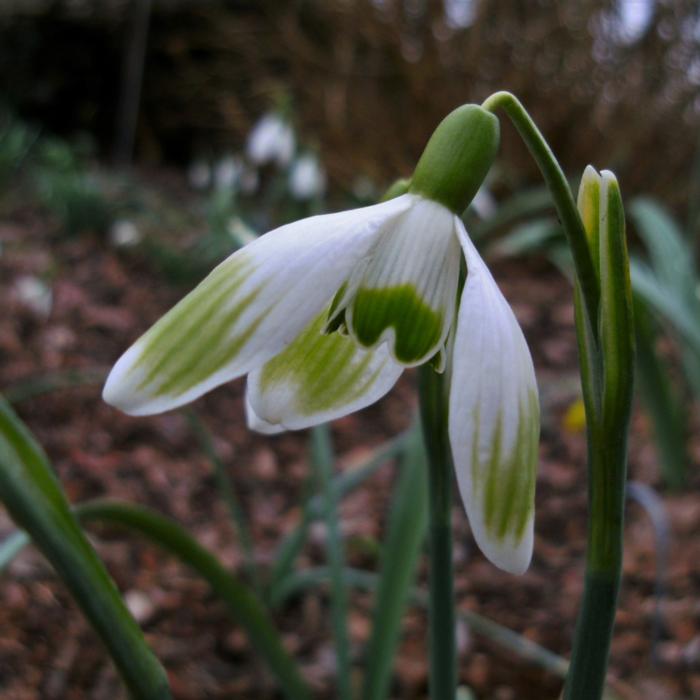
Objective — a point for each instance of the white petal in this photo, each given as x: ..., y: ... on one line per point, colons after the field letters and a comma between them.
x: 316, y: 379
x: 246, y: 311
x: 255, y: 422
x: 406, y: 294
x: 494, y: 418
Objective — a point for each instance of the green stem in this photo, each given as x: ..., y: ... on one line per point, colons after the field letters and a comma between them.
x: 560, y: 190
x: 441, y: 609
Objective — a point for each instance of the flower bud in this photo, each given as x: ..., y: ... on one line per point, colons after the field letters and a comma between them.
x: 457, y: 158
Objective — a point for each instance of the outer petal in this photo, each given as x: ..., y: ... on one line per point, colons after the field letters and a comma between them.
x: 316, y: 379
x: 246, y: 311
x: 494, y: 418
x: 406, y: 293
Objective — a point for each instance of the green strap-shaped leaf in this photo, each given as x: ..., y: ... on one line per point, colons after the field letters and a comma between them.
x: 34, y: 498
x: 244, y: 606
x: 323, y: 459
x: 661, y: 401
x: 407, y: 525
x: 343, y: 484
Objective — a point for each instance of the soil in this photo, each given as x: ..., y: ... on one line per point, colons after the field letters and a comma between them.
x: 102, y: 300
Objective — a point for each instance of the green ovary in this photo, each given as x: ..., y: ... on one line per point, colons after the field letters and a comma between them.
x: 417, y: 327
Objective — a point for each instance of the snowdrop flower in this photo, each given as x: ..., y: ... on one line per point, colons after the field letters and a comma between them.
x: 199, y: 175
x: 307, y: 178
x: 324, y: 314
x: 124, y: 234
x: 484, y: 203
x: 271, y: 141
x: 34, y: 295
x: 227, y: 173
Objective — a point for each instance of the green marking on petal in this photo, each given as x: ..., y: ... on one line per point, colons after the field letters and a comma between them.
x: 508, y: 482
x: 325, y: 371
x: 198, y: 336
x: 417, y: 327
x: 335, y: 318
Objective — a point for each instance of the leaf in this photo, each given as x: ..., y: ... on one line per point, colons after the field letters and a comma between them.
x: 660, y: 401
x: 343, y: 484
x: 244, y: 606
x: 407, y: 525
x: 34, y: 498
x: 323, y: 458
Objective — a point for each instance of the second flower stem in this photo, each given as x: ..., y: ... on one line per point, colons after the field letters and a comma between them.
x: 560, y: 191
x: 433, y: 407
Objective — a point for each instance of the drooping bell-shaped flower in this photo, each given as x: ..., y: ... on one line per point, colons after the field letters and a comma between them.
x: 271, y: 141
x: 324, y: 314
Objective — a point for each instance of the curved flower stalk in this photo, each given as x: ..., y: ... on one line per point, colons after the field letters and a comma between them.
x: 324, y: 314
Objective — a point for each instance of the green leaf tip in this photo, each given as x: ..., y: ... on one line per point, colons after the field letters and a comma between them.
x: 457, y: 157
x: 616, y: 316
x: 589, y: 208
x: 396, y: 189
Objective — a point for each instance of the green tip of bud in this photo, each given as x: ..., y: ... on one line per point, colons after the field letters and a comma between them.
x: 589, y: 209
x: 396, y: 189
x: 458, y: 157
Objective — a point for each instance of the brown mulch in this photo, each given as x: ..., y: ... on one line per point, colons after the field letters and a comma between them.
x: 102, y: 300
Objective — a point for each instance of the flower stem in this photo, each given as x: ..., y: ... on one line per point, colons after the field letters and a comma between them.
x: 441, y: 612
x: 560, y: 190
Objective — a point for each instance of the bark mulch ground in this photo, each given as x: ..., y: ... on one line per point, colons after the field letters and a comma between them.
x: 102, y: 300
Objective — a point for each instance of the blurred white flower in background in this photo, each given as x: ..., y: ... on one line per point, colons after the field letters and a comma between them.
x: 364, y: 188
x: 227, y: 173
x: 307, y: 179
x: 124, y: 234
x: 34, y: 295
x: 271, y: 141
x: 199, y: 175
x: 484, y: 203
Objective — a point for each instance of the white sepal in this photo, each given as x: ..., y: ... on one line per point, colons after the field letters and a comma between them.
x: 493, y: 418
x: 246, y: 311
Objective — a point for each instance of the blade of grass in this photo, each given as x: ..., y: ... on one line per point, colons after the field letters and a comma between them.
x: 244, y: 606
x: 323, y: 459
x: 11, y: 547
x: 647, y: 286
x: 369, y: 581
x: 655, y: 509
x: 407, y: 526
x: 662, y: 405
x: 34, y: 498
x: 46, y: 383
x: 225, y: 488
x: 343, y: 484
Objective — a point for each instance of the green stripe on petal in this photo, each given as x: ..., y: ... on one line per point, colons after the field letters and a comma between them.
x: 405, y: 294
x: 509, y: 487
x: 417, y: 328
x: 493, y: 419
x: 186, y: 345
x: 320, y: 376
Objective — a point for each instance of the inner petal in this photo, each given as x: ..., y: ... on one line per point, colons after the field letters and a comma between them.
x: 406, y: 294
